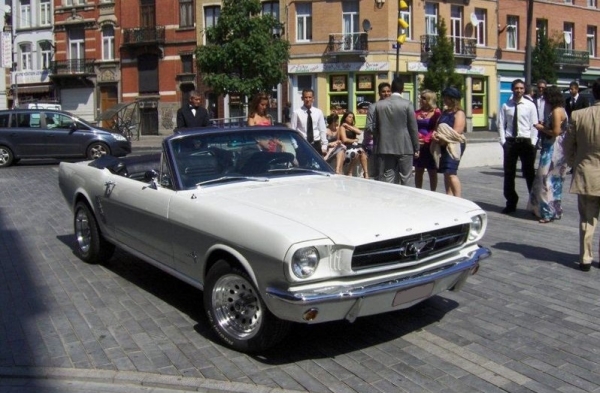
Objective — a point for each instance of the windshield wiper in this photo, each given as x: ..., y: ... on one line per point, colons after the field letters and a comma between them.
x: 296, y: 169
x: 231, y: 178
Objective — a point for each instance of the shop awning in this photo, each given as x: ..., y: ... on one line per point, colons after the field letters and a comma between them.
x: 29, y: 89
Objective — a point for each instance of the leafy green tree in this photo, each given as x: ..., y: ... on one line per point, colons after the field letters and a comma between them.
x: 242, y: 54
x: 441, y: 65
x: 544, y: 58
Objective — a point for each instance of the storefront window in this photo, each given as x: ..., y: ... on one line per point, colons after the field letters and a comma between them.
x: 338, y: 94
x: 365, y: 97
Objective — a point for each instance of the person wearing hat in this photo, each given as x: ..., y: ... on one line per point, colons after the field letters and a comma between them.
x: 518, y: 136
x: 450, y: 141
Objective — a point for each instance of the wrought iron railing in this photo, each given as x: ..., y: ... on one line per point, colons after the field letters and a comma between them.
x: 572, y: 57
x: 144, y: 35
x: 72, y: 67
x: 348, y: 43
x: 463, y: 47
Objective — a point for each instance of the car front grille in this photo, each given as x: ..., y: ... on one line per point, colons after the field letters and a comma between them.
x: 409, y: 249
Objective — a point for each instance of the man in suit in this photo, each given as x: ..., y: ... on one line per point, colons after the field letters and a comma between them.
x: 395, y: 136
x: 575, y: 101
x: 385, y: 91
x: 543, y: 110
x: 193, y: 114
x: 518, y: 137
x: 581, y: 146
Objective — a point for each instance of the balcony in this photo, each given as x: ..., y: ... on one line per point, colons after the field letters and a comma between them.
x: 573, y: 58
x: 464, y: 48
x: 348, y: 44
x: 72, y: 68
x: 141, y: 36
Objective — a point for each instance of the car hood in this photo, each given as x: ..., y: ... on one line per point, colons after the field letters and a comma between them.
x: 350, y: 210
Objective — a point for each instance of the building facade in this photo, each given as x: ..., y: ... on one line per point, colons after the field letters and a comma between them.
x: 572, y: 23
x: 344, y: 49
x: 30, y: 26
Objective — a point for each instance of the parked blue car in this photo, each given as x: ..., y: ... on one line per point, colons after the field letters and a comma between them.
x: 46, y: 133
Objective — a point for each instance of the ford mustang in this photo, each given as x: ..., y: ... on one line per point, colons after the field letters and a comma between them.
x: 257, y: 220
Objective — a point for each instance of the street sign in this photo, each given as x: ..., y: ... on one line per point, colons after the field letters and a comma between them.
x: 394, y: 46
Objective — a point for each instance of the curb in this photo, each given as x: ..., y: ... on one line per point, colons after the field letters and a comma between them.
x: 129, y: 378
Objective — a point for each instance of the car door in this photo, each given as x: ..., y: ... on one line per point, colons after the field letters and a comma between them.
x: 61, y: 139
x: 138, y: 214
x: 26, y: 134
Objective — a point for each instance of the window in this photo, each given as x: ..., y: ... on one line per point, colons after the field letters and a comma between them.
x: 25, y: 13
x: 45, y: 52
x: 303, y: 22
x: 481, y: 28
x: 512, y: 32
x: 592, y: 3
x: 108, y: 42
x: 350, y: 25
x: 25, y: 54
x: 76, y: 38
x: 45, y: 13
x: 541, y: 29
x: 456, y: 22
x: 147, y: 13
x: 568, y: 35
x: 74, y: 2
x: 186, y: 13
x: 431, y: 18
x: 148, y: 74
x: 271, y: 8
x: 187, y: 63
x: 591, y: 40
x: 405, y: 14
x: 211, y: 16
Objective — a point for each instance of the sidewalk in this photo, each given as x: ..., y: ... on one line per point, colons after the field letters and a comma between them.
x: 483, y: 148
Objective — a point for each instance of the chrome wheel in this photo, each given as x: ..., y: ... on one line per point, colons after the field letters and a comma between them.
x: 97, y: 150
x: 83, y: 232
x: 236, y: 307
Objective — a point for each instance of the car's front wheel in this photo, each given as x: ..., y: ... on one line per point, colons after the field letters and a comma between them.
x: 6, y: 157
x: 91, y: 246
x: 97, y: 150
x: 236, y: 311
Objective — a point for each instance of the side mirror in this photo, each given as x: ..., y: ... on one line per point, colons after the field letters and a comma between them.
x: 151, y: 177
x: 73, y: 126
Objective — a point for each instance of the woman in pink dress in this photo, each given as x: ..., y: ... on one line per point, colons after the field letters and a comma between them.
x: 427, y: 115
x: 257, y: 115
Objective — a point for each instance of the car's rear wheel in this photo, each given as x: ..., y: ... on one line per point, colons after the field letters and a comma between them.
x: 6, y: 157
x: 91, y: 246
x: 97, y: 150
x: 236, y: 311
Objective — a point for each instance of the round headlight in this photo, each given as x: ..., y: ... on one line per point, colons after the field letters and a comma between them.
x: 305, y: 262
x: 476, y: 227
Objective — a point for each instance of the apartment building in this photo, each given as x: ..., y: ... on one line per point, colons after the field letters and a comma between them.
x: 27, y: 36
x: 571, y: 22
x: 344, y: 49
x: 118, y: 51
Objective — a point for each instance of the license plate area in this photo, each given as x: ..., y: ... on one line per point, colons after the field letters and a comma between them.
x: 411, y: 294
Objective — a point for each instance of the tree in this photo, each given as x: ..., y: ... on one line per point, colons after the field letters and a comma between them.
x: 441, y: 65
x: 242, y: 53
x: 544, y: 58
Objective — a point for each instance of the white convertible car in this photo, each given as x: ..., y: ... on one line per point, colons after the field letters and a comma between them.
x: 258, y: 221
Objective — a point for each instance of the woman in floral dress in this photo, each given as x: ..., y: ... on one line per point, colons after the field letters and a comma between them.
x: 546, y: 193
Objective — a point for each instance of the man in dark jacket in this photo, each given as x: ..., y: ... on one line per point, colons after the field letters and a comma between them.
x: 575, y: 101
x: 193, y: 114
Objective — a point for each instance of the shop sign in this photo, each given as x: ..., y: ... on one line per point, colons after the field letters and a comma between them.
x: 418, y: 66
x: 338, y: 67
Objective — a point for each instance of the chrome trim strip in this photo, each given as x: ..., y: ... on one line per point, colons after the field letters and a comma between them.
x: 348, y: 293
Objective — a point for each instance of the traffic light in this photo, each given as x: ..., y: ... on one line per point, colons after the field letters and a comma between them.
x: 402, y: 24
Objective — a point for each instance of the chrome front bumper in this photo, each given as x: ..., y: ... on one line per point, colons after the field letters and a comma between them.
x: 331, y: 303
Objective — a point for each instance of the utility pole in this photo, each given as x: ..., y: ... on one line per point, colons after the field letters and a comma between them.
x: 528, y: 48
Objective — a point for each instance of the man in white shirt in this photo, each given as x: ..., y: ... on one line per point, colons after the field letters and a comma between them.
x: 518, y: 137
x: 310, y: 121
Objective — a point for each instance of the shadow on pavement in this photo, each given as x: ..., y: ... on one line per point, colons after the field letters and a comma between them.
x: 540, y: 253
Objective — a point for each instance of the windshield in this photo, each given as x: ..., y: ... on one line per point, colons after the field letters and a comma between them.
x: 202, y: 159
